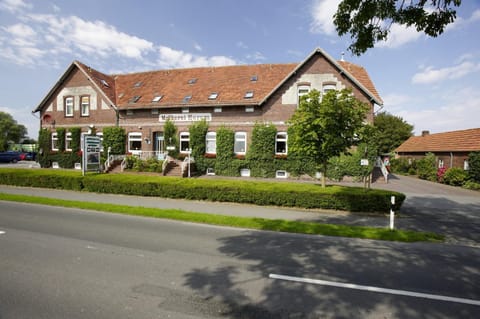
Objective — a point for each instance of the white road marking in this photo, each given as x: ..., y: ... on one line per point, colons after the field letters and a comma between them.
x: 376, y: 289
x: 2, y: 232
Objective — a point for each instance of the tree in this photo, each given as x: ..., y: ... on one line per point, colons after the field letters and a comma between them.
x: 392, y: 131
x: 326, y: 127
x: 369, y: 21
x: 10, y: 131
x: 170, y: 133
x: 474, y: 166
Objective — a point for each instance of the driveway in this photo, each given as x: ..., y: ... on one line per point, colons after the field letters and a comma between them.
x: 429, y: 206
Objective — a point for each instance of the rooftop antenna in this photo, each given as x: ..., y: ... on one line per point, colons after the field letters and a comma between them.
x: 343, y: 55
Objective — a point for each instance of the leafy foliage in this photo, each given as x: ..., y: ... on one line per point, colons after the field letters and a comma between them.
x: 197, y: 132
x: 322, y: 129
x: 115, y: 138
x: 10, y: 131
x: 170, y: 133
x: 61, y: 139
x: 261, y: 153
x: 353, y: 199
x: 392, y: 131
x: 76, y: 137
x: 426, y: 167
x: 455, y: 176
x: 224, y: 163
x: 369, y: 21
x: 474, y: 166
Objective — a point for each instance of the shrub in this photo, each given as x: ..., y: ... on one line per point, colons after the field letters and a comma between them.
x: 455, y: 176
x: 401, y: 166
x: 474, y: 166
x: 426, y: 168
x: 471, y: 185
x: 440, y: 174
x: 352, y: 199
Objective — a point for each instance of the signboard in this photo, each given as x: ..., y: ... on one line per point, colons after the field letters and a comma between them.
x: 364, y: 162
x: 91, y: 154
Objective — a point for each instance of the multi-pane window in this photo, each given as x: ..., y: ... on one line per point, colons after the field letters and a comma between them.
x: 85, y: 105
x: 54, y: 142
x: 301, y: 91
x: 68, y: 141
x: 69, y: 106
x: 465, y: 165
x: 184, y: 142
x: 211, y: 143
x: 328, y: 87
x: 441, y: 163
x: 281, y: 143
x: 240, y: 145
x: 134, y: 142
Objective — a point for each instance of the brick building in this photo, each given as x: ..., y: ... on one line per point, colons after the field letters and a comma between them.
x: 234, y: 96
x: 451, y: 149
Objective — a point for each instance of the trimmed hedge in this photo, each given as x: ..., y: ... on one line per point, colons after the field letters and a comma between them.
x: 353, y: 199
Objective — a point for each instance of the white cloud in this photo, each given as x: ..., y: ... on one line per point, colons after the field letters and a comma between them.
x: 241, y: 45
x: 400, y: 35
x: 256, y: 56
x: 197, y: 47
x: 431, y: 75
x: 461, y: 22
x: 459, y: 110
x: 322, y: 14
x: 14, y: 6
x: 41, y: 35
x: 170, y: 58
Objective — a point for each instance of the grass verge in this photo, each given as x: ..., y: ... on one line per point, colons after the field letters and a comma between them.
x: 239, y: 222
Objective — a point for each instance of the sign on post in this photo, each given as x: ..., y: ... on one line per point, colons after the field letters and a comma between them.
x: 91, y: 154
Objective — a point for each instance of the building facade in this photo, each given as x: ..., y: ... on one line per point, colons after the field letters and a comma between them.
x: 232, y: 96
x: 451, y: 149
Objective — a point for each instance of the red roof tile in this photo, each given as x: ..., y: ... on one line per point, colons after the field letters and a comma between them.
x: 455, y: 141
x: 362, y: 76
x: 230, y: 82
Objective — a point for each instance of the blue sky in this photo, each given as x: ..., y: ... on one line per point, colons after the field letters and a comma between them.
x: 432, y: 83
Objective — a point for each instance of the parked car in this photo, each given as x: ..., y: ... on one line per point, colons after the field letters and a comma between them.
x: 10, y: 157
x: 30, y: 156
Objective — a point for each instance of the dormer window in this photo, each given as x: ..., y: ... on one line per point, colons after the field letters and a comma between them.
x: 157, y: 98
x: 138, y: 84
x: 187, y: 98
x: 254, y: 78
x: 135, y: 99
x: 192, y: 81
x: 213, y: 96
x: 105, y: 83
x: 248, y: 95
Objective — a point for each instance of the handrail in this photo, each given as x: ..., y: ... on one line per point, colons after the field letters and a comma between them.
x: 383, y: 168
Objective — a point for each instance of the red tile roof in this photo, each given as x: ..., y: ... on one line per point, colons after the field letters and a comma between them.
x: 231, y: 83
x: 455, y: 141
x: 362, y: 76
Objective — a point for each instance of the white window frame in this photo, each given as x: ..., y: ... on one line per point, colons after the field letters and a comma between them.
x: 240, y: 137
x: 100, y: 134
x: 466, y: 167
x: 301, y: 91
x: 184, y: 138
x: 85, y: 107
x: 281, y: 137
x: 68, y: 141
x: 249, y: 109
x: 54, y: 141
x: 217, y: 109
x: 211, y: 139
x: 441, y: 163
x: 328, y: 87
x: 134, y: 137
x: 69, y: 106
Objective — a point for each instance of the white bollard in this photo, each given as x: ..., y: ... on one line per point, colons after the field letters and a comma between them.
x: 392, y: 214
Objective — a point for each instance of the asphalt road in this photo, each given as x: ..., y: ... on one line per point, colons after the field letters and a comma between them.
x: 68, y: 263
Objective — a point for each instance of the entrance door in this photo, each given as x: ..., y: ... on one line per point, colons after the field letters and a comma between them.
x: 159, y: 146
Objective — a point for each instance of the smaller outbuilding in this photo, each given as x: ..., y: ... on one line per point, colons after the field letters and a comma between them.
x: 451, y: 149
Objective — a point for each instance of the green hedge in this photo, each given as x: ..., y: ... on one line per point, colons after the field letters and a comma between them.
x: 352, y: 199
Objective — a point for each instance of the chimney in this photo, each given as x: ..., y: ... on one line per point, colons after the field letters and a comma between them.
x: 425, y: 133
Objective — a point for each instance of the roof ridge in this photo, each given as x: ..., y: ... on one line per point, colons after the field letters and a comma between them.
x: 203, y: 68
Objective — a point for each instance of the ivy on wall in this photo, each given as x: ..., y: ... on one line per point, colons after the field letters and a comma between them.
x: 261, y: 153
x: 198, y: 131
x: 115, y: 138
x: 224, y: 163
